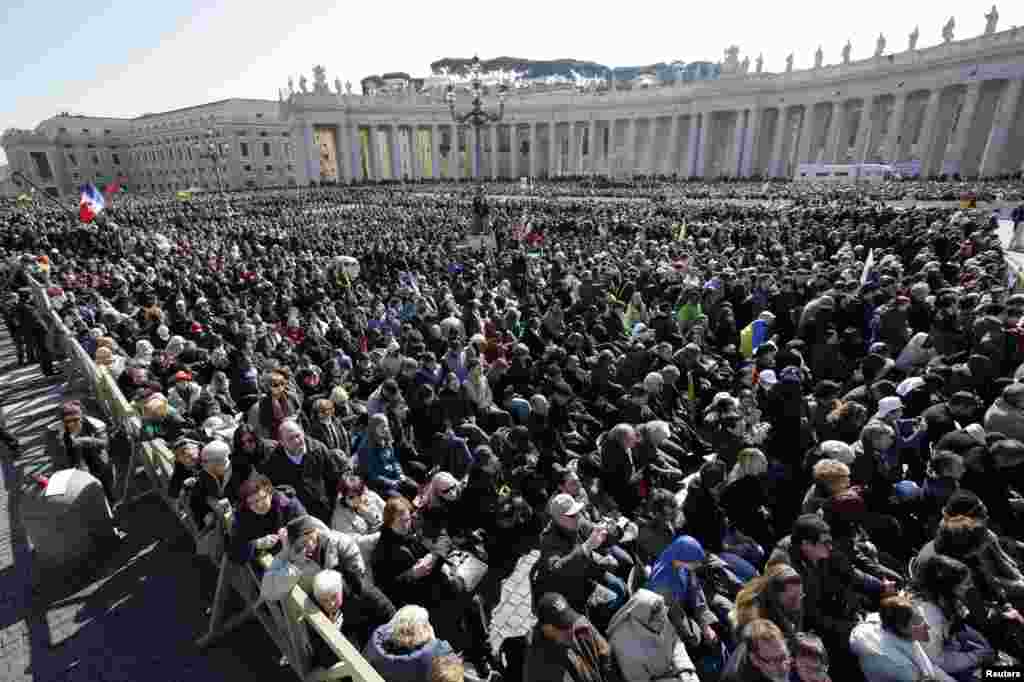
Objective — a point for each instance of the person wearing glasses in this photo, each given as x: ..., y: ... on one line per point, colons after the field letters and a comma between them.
x: 830, y: 581
x: 761, y: 656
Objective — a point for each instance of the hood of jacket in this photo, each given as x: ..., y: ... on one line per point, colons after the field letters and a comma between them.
x: 639, y: 609
x: 391, y: 661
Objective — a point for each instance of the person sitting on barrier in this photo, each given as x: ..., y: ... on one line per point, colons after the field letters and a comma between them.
x: 261, y: 517
x: 216, y: 488
x: 311, y: 547
x: 404, y: 649
x: 305, y: 465
x: 85, y: 444
x: 329, y: 594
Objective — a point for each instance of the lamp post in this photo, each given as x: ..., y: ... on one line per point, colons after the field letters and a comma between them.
x: 211, y: 150
x: 476, y: 116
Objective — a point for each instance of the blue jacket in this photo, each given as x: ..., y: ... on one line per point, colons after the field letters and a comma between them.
x: 379, y: 466
x: 402, y: 666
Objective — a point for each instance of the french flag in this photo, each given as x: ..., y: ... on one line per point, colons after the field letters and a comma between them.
x: 90, y: 204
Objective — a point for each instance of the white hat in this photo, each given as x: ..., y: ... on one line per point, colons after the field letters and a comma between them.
x: 908, y: 385
x: 887, y: 406
x: 563, y: 505
x: 767, y: 378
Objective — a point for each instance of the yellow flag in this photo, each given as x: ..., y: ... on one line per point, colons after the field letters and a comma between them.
x: 681, y: 232
x: 691, y: 388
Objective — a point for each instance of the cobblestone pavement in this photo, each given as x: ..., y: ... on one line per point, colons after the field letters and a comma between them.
x: 131, y: 614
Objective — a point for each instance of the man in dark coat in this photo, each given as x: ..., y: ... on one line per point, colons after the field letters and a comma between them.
x: 305, y: 465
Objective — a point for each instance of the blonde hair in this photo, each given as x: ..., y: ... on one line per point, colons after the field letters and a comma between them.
x: 749, y: 462
x: 748, y: 604
x: 829, y: 472
x: 410, y: 627
x: 449, y: 668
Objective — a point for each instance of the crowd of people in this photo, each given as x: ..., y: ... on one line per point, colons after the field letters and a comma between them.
x: 755, y: 441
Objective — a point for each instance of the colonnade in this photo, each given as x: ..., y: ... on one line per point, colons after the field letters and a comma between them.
x: 973, y: 128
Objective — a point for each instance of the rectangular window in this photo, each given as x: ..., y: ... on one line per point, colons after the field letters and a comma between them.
x: 245, y: 149
x: 269, y: 168
x: 42, y: 164
x: 72, y: 160
x: 107, y: 131
x: 116, y: 158
x: 95, y: 160
x: 266, y: 149
x: 286, y: 134
x: 247, y: 168
x: 263, y: 133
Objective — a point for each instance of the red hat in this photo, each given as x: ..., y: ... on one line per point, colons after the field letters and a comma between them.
x: 902, y: 299
x: 197, y: 328
x: 183, y: 375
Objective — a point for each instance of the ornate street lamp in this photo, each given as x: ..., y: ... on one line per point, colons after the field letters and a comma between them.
x: 211, y: 150
x: 476, y: 116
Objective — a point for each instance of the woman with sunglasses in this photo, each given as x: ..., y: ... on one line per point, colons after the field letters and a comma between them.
x: 359, y: 511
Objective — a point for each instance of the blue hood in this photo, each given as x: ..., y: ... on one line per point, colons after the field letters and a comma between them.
x: 405, y: 666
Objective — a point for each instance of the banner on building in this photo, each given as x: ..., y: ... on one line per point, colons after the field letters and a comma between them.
x: 364, y: 152
x: 326, y: 141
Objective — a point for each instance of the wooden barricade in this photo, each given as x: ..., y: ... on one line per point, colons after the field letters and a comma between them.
x: 288, y: 622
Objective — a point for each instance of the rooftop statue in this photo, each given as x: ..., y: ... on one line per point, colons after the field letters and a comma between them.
x: 880, y: 45
x: 348, y: 87
x: 732, y: 60
x: 947, y: 30
x: 789, y: 63
x: 991, y: 19
x: 745, y: 65
x: 303, y: 85
x: 759, y: 64
x: 337, y: 85
x: 291, y: 85
x: 846, y: 52
x: 320, y: 80
x: 913, y: 38
x: 818, y: 57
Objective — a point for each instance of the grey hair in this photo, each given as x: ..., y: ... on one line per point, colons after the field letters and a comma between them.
x: 327, y: 584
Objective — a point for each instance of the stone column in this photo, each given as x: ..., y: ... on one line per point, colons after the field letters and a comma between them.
x: 513, y: 148
x: 736, y: 152
x: 453, y: 154
x: 435, y: 151
x: 865, y: 130
x: 806, y: 133
x: 894, y: 142
x: 693, y: 140
x: 310, y: 154
x: 533, y: 150
x: 592, y: 146
x: 396, y: 152
x: 344, y: 159
x: 610, y: 154
x: 494, y: 151
x: 414, y: 155
x: 955, y: 153
x: 651, y: 166
x: 927, y: 152
x: 669, y: 165
x: 633, y: 142
x: 477, y: 152
x: 1002, y: 124
x: 554, y: 150
x: 355, y: 152
x: 703, y: 141
x: 572, y: 167
x: 751, y: 142
x: 837, y: 142
x: 777, y: 164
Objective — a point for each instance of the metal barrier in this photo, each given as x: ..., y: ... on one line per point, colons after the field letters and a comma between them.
x: 288, y: 621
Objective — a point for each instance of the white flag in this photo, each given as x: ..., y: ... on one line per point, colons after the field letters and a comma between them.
x: 868, y: 265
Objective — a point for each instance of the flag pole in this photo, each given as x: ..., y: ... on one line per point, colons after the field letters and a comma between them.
x: 21, y: 176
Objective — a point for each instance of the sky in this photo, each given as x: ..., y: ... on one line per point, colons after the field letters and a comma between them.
x: 126, y: 58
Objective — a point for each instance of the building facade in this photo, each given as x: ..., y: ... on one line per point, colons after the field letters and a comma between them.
x: 947, y: 109
x: 951, y: 108
x: 235, y: 143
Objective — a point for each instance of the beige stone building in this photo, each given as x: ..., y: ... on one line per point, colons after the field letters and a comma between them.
x: 233, y: 143
x: 950, y: 108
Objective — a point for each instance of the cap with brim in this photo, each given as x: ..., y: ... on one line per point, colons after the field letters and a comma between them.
x: 296, y: 528
x: 553, y: 609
